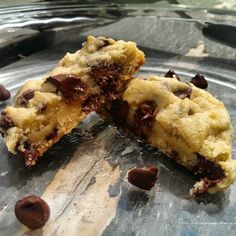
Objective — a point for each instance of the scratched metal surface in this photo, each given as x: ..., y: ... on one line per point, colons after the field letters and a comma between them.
x: 83, y: 177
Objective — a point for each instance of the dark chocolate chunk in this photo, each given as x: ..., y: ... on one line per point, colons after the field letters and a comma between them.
x: 107, y: 76
x: 32, y: 211
x: 172, y: 74
x: 26, y: 96
x: 143, y: 177
x: 4, y: 93
x: 52, y: 135
x: 5, y: 123
x: 143, y: 117
x: 120, y: 111
x: 68, y: 85
x: 91, y: 103
x: 184, y: 93
x: 208, y: 169
x: 199, y: 81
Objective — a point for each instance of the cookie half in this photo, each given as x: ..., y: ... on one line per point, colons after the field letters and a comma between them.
x: 45, y: 110
x: 186, y: 123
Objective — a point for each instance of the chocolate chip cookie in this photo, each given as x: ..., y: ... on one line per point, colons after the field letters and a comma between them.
x: 187, y: 123
x: 45, y: 110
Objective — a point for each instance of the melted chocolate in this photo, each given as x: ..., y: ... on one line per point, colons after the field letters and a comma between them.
x: 107, y: 76
x: 120, y: 111
x: 68, y: 85
x: 143, y: 117
x: 208, y: 169
x: 91, y: 103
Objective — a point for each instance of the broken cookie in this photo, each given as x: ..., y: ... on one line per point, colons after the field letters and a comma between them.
x: 186, y: 123
x: 45, y: 110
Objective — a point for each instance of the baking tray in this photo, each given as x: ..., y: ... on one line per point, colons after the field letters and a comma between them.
x: 84, y: 176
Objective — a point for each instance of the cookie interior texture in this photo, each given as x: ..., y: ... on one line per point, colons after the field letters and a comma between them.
x: 45, y: 110
x: 187, y: 123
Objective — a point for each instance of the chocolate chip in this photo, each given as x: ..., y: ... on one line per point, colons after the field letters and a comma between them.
x: 4, y: 93
x: 143, y: 117
x: 91, y: 103
x: 172, y: 74
x: 26, y: 96
x: 208, y: 168
x: 120, y: 111
x: 199, y: 81
x: 68, y: 85
x: 32, y: 211
x: 52, y: 135
x: 145, y: 110
x: 5, y: 123
x: 107, y: 76
x: 183, y: 93
x: 143, y: 177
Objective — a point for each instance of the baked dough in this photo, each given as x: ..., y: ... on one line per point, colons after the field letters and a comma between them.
x: 45, y: 110
x: 186, y: 123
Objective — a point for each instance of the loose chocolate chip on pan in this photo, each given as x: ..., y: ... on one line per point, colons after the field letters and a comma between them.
x: 120, y: 111
x: 4, y: 93
x: 199, y: 81
x: 32, y: 211
x: 68, y: 85
x: 172, y: 74
x: 143, y: 177
x: 183, y: 93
